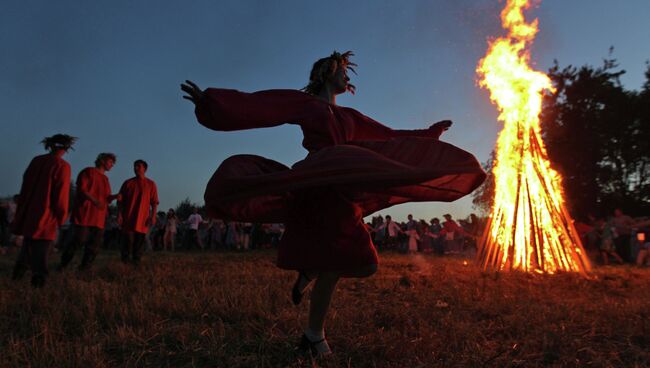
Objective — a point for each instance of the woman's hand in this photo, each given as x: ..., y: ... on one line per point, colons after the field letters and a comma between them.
x: 442, y: 125
x: 195, y: 94
x: 438, y: 128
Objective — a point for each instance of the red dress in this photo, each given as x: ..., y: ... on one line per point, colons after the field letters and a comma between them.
x: 84, y: 212
x: 355, y: 166
x: 43, y: 201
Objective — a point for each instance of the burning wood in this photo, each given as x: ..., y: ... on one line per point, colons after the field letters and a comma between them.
x: 529, y: 228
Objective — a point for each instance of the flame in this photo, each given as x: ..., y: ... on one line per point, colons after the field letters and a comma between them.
x: 529, y: 228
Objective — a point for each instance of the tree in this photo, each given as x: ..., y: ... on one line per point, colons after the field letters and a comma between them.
x: 185, y: 209
x: 596, y: 135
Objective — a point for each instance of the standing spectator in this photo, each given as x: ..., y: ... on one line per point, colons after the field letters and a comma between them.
x: 643, y: 239
x: 159, y: 234
x: 276, y: 231
x: 232, y: 235
x: 623, y: 224
x: 42, y: 207
x: 391, y: 231
x: 169, y: 240
x: 378, y: 236
x: 425, y: 239
x: 93, y: 195
x: 413, y: 239
x: 452, y: 234
x: 137, y: 211
x: 245, y: 229
x: 607, y: 241
x: 411, y: 224
x: 193, y: 238
x: 215, y: 233
x: 436, y: 235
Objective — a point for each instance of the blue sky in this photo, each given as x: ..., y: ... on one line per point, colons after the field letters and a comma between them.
x: 108, y: 72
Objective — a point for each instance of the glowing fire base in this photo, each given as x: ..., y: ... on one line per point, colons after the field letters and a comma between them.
x: 533, y: 233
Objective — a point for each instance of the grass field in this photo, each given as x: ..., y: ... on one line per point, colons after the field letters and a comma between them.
x: 233, y: 310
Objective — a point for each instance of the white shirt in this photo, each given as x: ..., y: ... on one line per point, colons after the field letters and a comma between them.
x: 393, y: 228
x: 195, y: 220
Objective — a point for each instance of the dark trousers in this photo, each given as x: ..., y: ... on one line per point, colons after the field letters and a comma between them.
x: 90, y: 238
x: 623, y: 247
x: 192, y: 239
x: 33, y: 255
x: 132, y: 246
x: 5, y: 234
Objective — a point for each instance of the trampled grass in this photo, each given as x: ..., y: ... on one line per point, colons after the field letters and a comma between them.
x: 233, y: 310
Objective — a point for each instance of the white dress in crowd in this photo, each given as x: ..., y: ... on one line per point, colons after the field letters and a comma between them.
x: 413, y: 240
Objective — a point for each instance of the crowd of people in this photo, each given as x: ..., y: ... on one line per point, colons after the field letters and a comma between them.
x: 617, y: 237
x: 134, y: 228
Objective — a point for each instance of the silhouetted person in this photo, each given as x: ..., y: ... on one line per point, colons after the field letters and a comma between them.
x: 42, y: 207
x: 137, y: 207
x: 93, y: 195
x: 355, y: 166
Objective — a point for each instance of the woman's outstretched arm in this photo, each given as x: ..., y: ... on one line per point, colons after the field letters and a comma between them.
x: 369, y: 129
x: 229, y: 109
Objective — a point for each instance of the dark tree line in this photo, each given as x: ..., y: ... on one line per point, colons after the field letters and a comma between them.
x: 597, y: 134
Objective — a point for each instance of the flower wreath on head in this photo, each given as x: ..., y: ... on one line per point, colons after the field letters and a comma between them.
x: 59, y: 141
x: 326, y: 67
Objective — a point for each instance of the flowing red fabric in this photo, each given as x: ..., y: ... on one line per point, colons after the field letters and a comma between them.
x: 138, y: 195
x: 44, y: 196
x: 84, y: 212
x: 355, y: 166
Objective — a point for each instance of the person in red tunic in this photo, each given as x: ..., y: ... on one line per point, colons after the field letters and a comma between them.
x: 89, y: 211
x: 137, y: 204
x: 42, y: 207
x: 355, y: 166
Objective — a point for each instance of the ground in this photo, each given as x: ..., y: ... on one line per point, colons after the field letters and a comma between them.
x: 223, y: 309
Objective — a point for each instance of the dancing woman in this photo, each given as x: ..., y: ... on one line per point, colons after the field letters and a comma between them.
x: 355, y: 166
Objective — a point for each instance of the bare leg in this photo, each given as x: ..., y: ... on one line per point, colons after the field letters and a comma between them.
x: 321, y: 296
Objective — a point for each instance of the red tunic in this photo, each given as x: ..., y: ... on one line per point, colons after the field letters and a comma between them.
x: 138, y: 195
x: 355, y: 166
x: 84, y: 212
x: 43, y: 201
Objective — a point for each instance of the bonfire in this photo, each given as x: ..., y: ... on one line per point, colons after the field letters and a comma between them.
x: 529, y: 227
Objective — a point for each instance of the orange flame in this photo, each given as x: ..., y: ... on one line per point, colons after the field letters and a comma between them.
x: 529, y: 227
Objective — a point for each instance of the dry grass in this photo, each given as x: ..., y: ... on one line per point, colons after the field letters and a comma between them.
x: 233, y: 310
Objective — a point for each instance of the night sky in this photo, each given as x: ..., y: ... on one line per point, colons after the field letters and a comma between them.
x: 108, y: 72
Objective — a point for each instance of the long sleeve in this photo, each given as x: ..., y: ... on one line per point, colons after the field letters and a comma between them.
x: 368, y: 129
x: 227, y: 109
x: 61, y: 193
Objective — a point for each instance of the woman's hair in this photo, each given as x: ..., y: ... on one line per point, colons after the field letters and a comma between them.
x: 171, y: 213
x: 326, y: 67
x: 58, y: 142
x: 103, y: 156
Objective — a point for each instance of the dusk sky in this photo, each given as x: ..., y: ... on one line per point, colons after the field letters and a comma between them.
x: 108, y: 72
